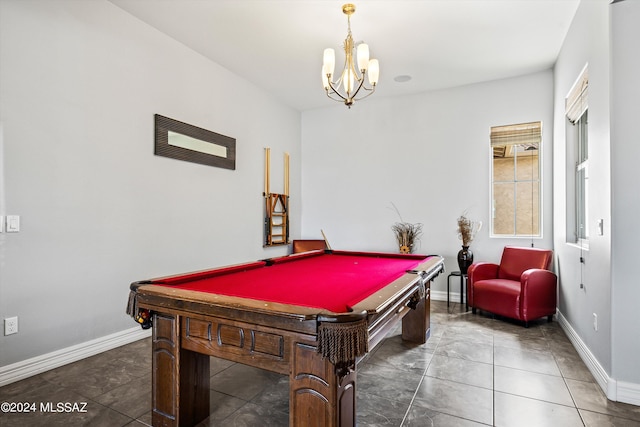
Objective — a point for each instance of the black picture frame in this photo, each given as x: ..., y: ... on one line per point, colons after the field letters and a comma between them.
x: 165, y: 125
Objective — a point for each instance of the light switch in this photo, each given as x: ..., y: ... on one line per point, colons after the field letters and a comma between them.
x: 13, y: 223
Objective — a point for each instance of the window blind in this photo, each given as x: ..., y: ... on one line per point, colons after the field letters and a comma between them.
x: 524, y: 134
x: 576, y: 102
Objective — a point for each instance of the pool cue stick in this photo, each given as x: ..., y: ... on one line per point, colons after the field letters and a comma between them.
x: 326, y: 241
x: 286, y: 174
x: 267, y: 164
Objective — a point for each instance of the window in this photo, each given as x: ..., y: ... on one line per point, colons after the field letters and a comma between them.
x: 515, y: 184
x: 578, y: 161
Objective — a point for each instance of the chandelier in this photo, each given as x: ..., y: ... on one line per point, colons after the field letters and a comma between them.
x: 351, y: 80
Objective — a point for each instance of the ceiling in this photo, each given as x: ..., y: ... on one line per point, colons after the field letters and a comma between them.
x: 278, y: 45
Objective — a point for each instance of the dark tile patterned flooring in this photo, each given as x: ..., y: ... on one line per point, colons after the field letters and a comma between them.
x: 473, y: 371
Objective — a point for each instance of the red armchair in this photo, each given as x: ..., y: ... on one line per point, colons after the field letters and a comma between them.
x: 521, y: 287
x: 308, y: 245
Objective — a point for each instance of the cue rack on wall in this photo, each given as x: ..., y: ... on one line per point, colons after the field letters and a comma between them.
x: 276, y: 219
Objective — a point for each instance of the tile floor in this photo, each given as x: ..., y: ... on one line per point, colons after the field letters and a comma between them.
x: 473, y: 371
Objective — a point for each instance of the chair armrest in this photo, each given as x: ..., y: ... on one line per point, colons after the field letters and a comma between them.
x: 536, y: 279
x: 476, y: 272
x: 538, y: 288
x: 482, y: 271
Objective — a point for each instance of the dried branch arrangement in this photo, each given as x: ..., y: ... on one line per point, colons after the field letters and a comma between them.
x: 467, y: 229
x: 407, y: 234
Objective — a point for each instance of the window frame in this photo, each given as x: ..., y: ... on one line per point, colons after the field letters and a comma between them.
x: 577, y: 166
x: 533, y: 179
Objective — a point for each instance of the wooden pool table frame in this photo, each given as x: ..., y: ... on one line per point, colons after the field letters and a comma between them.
x: 190, y: 326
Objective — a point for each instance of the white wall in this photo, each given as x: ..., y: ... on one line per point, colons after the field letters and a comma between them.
x: 625, y: 152
x: 428, y: 154
x: 586, y: 42
x: 79, y: 85
x: 604, y: 36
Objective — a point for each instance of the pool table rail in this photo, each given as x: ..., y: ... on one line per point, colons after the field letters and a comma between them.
x: 293, y: 317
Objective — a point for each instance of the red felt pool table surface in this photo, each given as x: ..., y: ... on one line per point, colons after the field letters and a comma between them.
x: 332, y: 280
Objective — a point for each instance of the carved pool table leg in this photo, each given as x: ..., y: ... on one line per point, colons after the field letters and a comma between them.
x: 320, y: 395
x: 180, y: 390
x: 416, y: 324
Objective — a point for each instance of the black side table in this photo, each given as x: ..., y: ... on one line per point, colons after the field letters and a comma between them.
x: 463, y: 280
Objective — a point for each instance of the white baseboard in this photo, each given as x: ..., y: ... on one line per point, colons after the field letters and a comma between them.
x: 598, y: 372
x: 36, y: 365
x: 617, y: 391
x: 628, y: 392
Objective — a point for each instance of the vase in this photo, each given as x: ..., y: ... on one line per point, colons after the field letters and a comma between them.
x: 465, y: 259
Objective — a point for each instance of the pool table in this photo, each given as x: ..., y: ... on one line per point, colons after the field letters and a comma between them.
x: 311, y: 316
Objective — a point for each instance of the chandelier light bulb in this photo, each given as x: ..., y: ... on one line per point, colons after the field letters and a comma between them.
x: 348, y: 79
x: 329, y: 61
x: 363, y: 56
x: 374, y: 72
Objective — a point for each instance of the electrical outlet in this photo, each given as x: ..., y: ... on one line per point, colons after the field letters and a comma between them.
x: 13, y: 223
x: 11, y: 325
x: 595, y: 322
